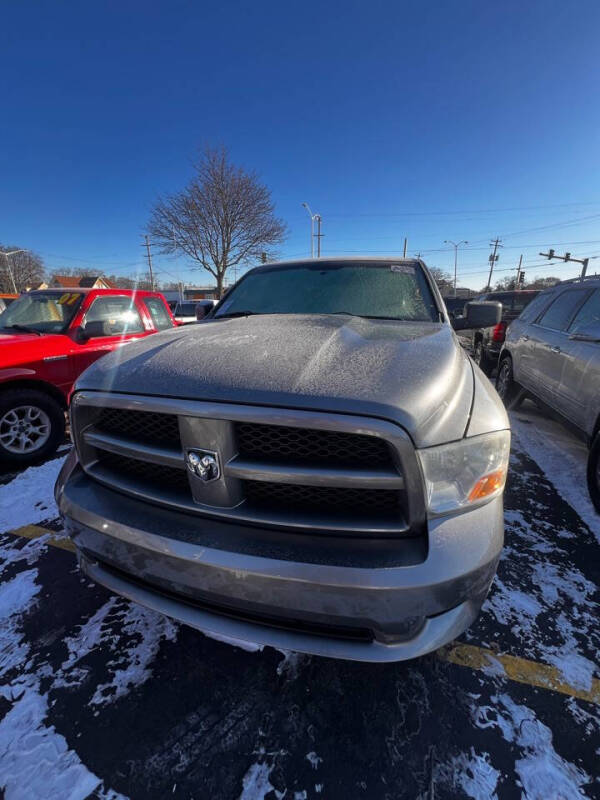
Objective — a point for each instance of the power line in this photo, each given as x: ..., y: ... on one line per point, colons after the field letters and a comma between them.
x: 464, y: 211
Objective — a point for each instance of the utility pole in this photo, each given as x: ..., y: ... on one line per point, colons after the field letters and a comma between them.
x: 518, y: 281
x: 493, y: 258
x: 312, y: 229
x: 149, y: 262
x: 567, y: 257
x: 455, y: 245
x: 319, y: 234
x: 10, y: 272
x: 405, y: 243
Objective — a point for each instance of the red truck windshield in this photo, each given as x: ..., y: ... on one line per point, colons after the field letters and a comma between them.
x: 44, y: 312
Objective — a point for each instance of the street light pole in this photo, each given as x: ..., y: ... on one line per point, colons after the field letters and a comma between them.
x: 313, y: 217
x: 10, y: 272
x: 456, y: 245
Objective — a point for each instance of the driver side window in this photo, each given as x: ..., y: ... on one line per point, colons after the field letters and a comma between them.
x: 118, y: 313
x: 588, y: 313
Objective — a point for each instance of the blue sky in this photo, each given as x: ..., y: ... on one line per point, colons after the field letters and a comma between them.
x: 431, y: 120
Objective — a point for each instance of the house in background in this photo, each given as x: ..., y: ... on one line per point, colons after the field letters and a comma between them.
x: 79, y: 282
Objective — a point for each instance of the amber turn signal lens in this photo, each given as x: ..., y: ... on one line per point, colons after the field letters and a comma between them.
x: 487, y: 485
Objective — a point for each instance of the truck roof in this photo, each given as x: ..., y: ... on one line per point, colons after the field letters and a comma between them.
x: 79, y: 290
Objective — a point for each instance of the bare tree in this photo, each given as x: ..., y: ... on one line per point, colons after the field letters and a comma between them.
x: 443, y: 279
x: 223, y: 218
x: 543, y: 283
x: 27, y: 269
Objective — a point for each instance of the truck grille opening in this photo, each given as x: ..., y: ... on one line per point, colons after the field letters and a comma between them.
x: 146, y: 427
x: 279, y: 443
x: 151, y: 475
x: 372, y: 503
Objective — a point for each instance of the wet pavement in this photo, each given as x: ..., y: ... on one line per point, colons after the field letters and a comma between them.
x: 101, y: 698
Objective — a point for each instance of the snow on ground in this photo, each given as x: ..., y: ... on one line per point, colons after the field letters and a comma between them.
x: 131, y: 633
x: 542, y: 772
x: 256, y: 783
x: 473, y: 773
x: 35, y: 760
x: 546, y: 602
x: 560, y: 456
x: 29, y: 498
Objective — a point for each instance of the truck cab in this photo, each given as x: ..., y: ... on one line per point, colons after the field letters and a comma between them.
x: 47, y: 339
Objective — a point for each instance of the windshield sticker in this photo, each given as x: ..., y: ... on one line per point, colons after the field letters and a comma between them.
x: 404, y: 268
x: 68, y: 299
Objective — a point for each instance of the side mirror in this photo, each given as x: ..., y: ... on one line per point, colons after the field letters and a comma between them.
x: 484, y: 314
x: 203, y: 309
x: 94, y: 330
x: 587, y: 333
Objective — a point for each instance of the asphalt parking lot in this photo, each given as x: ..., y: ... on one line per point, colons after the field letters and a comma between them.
x: 101, y: 698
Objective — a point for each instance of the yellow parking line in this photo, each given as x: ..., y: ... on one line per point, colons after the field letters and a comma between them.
x: 36, y: 531
x: 532, y: 673
x: 521, y: 670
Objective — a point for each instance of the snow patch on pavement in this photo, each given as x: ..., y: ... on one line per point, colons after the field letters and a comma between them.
x: 561, y: 459
x: 132, y: 632
x: 256, y: 783
x: 29, y: 498
x: 473, y: 773
x: 542, y: 772
x: 35, y: 761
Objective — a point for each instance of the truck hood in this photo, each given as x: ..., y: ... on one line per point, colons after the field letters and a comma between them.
x: 22, y: 348
x: 414, y: 374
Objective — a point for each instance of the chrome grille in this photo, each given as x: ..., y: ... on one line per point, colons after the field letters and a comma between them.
x: 321, y: 472
x: 305, y: 445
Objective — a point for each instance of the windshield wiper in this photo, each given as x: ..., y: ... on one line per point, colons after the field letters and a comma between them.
x: 236, y: 314
x: 22, y: 328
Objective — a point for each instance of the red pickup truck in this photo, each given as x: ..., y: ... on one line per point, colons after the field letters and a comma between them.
x: 47, y: 338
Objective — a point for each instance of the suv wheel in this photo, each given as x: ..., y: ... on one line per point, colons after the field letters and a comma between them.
x: 32, y: 426
x: 506, y: 386
x: 482, y: 360
x: 593, y: 472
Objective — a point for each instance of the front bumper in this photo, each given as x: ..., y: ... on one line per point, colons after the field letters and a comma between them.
x: 384, y: 600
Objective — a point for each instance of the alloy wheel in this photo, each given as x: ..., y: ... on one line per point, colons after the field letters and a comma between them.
x: 24, y: 429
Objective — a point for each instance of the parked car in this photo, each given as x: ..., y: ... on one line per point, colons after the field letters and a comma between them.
x: 552, y: 351
x: 6, y: 300
x: 487, y: 342
x: 47, y: 338
x: 185, y: 312
x: 319, y: 466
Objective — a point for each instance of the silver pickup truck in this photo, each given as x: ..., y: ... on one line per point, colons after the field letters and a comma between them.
x: 318, y: 466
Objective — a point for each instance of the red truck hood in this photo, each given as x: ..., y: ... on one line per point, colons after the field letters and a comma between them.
x: 21, y: 348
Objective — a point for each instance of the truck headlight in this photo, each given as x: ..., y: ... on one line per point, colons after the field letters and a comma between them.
x: 466, y: 473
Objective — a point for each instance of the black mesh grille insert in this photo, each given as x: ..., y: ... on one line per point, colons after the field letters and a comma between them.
x: 305, y: 445
x: 143, y: 426
x: 150, y: 475
x: 332, y: 501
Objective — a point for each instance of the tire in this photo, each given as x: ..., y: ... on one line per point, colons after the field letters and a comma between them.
x: 506, y: 386
x: 593, y: 472
x: 483, y: 361
x: 32, y: 426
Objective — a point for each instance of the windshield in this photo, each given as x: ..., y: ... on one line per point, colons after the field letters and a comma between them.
x: 44, y: 312
x: 379, y: 290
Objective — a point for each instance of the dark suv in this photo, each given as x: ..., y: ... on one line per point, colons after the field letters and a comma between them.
x: 487, y: 342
